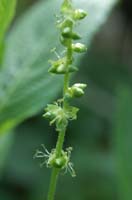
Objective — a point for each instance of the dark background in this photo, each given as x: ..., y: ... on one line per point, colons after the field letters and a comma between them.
x: 106, y: 66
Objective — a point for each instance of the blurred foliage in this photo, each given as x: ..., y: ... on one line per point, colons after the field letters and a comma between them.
x: 7, y: 10
x: 101, y: 136
x: 123, y: 142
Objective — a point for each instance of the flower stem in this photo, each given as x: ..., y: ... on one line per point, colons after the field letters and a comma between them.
x: 53, y: 182
x: 60, y: 141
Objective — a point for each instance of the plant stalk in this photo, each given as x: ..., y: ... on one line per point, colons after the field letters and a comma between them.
x: 60, y: 141
x: 53, y: 183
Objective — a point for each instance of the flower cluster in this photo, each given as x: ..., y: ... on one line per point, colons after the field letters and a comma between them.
x: 59, y: 115
x: 51, y: 160
x: 69, y: 18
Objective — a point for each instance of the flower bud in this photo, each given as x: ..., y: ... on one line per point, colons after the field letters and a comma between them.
x: 51, y: 111
x: 58, y: 66
x: 59, y: 162
x: 61, y: 69
x: 79, y: 48
x: 58, y: 70
x: 66, y: 33
x: 80, y: 85
x: 66, y: 23
x: 77, y: 90
x: 79, y: 14
x: 75, y: 36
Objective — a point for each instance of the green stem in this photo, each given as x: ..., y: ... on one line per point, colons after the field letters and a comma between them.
x: 66, y: 83
x: 55, y: 171
x: 61, y: 137
x: 53, y: 182
x: 67, y: 75
x: 60, y: 142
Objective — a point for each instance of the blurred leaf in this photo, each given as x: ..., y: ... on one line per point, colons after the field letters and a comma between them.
x: 25, y: 85
x: 7, y: 10
x: 124, y: 142
x: 106, y: 70
x: 2, y: 48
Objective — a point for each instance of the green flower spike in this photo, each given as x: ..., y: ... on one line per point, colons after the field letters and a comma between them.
x: 61, y: 112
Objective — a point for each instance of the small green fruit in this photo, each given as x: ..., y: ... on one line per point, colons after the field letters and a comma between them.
x: 79, y: 14
x: 75, y: 36
x: 58, y: 162
x: 79, y: 48
x: 61, y: 69
x: 77, y: 90
x: 66, y: 33
x: 80, y: 85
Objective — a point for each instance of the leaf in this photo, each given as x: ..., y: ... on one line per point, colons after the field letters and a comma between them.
x: 123, y: 142
x: 25, y: 85
x: 2, y: 47
x: 7, y: 10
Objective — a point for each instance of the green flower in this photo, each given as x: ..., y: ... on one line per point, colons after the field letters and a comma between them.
x: 60, y: 116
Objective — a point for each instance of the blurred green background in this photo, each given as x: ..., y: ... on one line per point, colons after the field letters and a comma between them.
x: 101, y: 137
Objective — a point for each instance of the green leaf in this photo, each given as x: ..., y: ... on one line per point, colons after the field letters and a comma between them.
x: 7, y: 10
x: 2, y: 48
x: 25, y: 84
x: 123, y: 142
